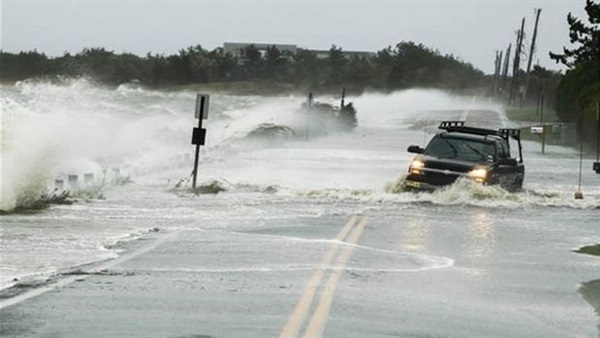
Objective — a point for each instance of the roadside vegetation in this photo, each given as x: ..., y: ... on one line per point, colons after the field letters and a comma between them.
x: 578, y: 92
x: 531, y: 114
x: 404, y: 66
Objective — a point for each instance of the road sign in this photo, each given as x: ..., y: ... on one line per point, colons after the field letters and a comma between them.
x: 199, y: 136
x: 201, y: 106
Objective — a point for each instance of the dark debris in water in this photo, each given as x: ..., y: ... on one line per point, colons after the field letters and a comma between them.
x: 123, y: 180
x: 271, y: 189
x: 591, y: 293
x: 103, y: 272
x: 271, y: 131
x: 22, y: 287
x: 213, y: 187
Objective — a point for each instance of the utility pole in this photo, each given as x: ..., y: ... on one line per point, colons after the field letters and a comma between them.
x: 596, y: 165
x: 497, y: 69
x: 505, y: 68
x: 542, y: 124
x: 532, y: 49
x: 500, y: 55
x: 516, y: 63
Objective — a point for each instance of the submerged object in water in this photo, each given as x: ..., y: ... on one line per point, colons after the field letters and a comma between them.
x: 272, y: 131
x: 343, y: 116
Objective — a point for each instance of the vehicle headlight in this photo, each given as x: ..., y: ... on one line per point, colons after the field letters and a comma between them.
x: 416, y: 166
x: 479, y: 174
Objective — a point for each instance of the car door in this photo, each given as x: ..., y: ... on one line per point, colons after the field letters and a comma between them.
x: 507, y: 168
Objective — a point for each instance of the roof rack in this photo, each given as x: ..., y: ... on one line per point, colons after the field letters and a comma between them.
x: 446, y: 124
x: 459, y: 126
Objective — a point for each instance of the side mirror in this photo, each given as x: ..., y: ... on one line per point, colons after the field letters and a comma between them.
x: 509, y: 161
x: 415, y: 149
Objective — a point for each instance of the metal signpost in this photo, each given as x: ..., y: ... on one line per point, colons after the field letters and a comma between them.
x: 596, y: 165
x: 199, y: 133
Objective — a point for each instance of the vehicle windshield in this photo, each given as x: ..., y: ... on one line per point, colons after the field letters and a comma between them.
x: 461, y: 149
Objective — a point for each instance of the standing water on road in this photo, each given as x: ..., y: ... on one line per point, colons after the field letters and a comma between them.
x: 129, y: 149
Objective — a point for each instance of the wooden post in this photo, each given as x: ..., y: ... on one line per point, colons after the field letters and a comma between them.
x: 497, y: 69
x: 596, y: 165
x: 516, y: 63
x: 532, y: 49
x: 542, y: 123
x: 505, y: 68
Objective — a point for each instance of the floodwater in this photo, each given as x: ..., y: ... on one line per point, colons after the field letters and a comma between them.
x: 501, y: 252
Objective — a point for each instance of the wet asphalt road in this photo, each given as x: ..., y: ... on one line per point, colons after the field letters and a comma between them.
x: 416, y: 270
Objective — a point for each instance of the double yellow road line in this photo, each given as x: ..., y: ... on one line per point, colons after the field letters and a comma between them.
x: 316, y: 326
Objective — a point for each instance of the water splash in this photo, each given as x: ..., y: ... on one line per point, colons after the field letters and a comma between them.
x: 469, y: 193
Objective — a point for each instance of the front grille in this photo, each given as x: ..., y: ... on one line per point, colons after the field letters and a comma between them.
x: 435, y: 178
x: 459, y: 168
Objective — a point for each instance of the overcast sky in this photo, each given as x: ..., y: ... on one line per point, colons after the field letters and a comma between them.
x: 471, y: 30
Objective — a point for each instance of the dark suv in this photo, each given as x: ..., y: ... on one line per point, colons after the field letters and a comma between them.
x: 482, y: 155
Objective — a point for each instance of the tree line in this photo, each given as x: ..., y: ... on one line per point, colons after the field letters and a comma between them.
x: 405, y: 65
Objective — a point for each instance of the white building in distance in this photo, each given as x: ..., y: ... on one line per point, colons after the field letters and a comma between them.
x: 236, y: 49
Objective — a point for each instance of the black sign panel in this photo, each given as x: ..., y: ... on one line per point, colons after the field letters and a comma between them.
x: 199, y: 136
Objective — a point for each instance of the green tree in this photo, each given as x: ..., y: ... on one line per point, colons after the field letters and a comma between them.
x: 307, y: 69
x: 585, y: 37
x: 274, y: 63
x: 361, y: 72
x: 579, y: 90
x: 337, y: 66
x: 199, y: 64
x: 224, y: 66
x: 23, y: 65
x: 252, y: 61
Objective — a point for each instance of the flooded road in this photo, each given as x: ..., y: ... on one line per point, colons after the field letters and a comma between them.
x: 466, y: 261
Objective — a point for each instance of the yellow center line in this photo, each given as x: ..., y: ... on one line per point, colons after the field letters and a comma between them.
x: 316, y: 327
x: 292, y: 327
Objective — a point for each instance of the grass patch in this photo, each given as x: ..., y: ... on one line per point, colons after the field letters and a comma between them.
x: 44, y: 202
x: 212, y: 187
x: 593, y: 249
x: 530, y: 114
